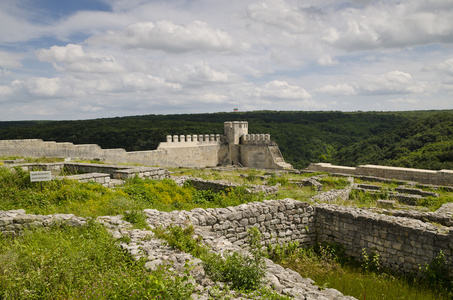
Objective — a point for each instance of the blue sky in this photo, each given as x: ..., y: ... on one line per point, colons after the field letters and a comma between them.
x: 84, y: 59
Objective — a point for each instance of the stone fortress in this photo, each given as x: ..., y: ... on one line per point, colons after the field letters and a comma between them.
x: 235, y: 147
x: 404, y: 240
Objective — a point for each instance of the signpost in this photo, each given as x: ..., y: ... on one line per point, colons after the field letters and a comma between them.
x: 40, y: 176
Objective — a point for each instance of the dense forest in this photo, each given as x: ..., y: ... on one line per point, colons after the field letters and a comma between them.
x: 418, y: 139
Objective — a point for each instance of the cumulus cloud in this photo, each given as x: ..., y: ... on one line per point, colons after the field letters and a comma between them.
x: 395, y: 82
x: 197, y: 73
x: 390, y: 25
x: 282, y: 90
x: 341, y: 89
x: 169, y: 37
x: 277, y: 13
x: 74, y: 59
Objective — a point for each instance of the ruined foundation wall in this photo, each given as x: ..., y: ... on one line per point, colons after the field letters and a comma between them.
x: 442, y: 177
x: 403, y: 244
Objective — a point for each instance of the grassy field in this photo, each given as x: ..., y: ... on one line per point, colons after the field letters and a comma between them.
x: 84, y: 263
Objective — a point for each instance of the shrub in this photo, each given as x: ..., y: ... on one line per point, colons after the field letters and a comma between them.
x: 137, y: 218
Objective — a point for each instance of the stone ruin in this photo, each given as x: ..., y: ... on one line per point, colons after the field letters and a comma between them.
x: 404, y: 240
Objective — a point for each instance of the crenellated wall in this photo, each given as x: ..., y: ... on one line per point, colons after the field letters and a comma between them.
x: 178, y: 151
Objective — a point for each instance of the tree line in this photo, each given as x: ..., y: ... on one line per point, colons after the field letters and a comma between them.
x: 418, y: 139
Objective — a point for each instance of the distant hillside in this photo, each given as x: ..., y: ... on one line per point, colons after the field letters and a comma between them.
x: 425, y: 143
x: 303, y: 137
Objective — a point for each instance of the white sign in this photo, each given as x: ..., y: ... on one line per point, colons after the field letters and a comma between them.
x: 40, y: 176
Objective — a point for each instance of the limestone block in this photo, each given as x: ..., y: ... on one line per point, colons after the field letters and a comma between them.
x: 6, y: 221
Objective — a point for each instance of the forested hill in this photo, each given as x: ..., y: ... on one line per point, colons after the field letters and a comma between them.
x: 425, y: 143
x: 303, y: 137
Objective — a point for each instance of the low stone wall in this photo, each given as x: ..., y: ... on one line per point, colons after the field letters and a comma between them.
x: 100, y: 173
x: 279, y: 221
x: 442, y: 177
x: 221, y: 185
x: 12, y: 222
x: 438, y: 217
x: 403, y: 244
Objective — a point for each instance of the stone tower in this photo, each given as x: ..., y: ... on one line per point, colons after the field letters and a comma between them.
x: 234, y: 130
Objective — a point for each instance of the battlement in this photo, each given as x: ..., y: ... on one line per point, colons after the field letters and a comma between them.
x: 251, y: 139
x: 190, y: 140
x: 236, y: 146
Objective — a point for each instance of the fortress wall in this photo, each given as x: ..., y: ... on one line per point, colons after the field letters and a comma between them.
x: 190, y: 141
x: 203, y: 154
x: 250, y: 139
x: 199, y: 156
x: 402, y: 244
x: 257, y: 156
x: 442, y: 177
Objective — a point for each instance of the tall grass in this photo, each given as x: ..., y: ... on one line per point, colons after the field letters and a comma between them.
x: 80, y: 263
x: 366, y: 280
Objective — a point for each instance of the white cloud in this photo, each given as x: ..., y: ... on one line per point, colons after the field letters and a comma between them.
x: 341, y: 89
x: 144, y: 56
x: 445, y: 66
x: 73, y: 58
x: 327, y: 60
x: 46, y: 87
x: 389, y: 25
x: 10, y: 60
x: 169, y: 37
x: 277, y: 13
x: 395, y: 82
x: 139, y: 81
x: 213, y: 98
x: 282, y: 90
x: 198, y: 73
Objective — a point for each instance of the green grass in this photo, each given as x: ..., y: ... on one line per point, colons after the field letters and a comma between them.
x: 330, y: 268
x: 24, y: 261
x: 80, y: 263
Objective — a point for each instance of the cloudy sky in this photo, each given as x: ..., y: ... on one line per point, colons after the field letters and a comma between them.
x: 84, y: 59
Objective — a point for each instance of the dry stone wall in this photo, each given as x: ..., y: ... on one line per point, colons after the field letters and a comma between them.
x: 403, y: 244
x: 442, y: 177
x: 13, y: 222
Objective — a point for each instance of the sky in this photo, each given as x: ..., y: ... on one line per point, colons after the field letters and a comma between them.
x: 86, y: 59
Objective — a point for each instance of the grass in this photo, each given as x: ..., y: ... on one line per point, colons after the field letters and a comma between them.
x: 34, y: 265
x: 80, y: 263
x: 330, y: 268
x: 244, y: 273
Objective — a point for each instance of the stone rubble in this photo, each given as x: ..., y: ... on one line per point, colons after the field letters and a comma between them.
x: 144, y: 244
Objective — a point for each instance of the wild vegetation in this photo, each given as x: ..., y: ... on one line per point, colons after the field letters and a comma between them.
x: 419, y: 139
x: 43, y: 263
x: 329, y: 267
